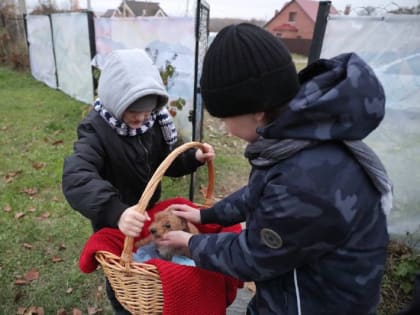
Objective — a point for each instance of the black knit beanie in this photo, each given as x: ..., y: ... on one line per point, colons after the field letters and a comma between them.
x: 247, y: 70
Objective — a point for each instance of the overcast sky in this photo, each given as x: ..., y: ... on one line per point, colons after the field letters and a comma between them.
x: 261, y: 9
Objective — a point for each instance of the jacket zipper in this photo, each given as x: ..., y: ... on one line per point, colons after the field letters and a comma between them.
x: 147, y: 165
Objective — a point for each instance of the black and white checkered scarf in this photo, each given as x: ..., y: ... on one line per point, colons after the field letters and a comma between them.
x: 162, y: 117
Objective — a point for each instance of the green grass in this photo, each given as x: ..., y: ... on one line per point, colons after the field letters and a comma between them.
x: 37, y: 130
x: 300, y: 61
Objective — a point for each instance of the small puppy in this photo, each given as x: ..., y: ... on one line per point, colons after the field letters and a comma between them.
x: 165, y: 221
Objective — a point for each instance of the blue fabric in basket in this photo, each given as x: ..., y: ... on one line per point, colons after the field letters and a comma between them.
x: 148, y: 252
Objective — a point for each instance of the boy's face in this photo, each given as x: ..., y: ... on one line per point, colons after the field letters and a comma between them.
x: 244, y: 126
x: 135, y: 119
x: 139, y: 111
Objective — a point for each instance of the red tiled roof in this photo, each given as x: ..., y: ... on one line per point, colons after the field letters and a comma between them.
x: 310, y: 7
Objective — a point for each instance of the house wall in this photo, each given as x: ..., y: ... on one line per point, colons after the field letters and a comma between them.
x: 303, y: 23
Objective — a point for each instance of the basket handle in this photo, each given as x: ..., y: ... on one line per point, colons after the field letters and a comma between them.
x: 126, y: 255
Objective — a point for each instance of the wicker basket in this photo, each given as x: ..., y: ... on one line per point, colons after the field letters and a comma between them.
x: 137, y: 286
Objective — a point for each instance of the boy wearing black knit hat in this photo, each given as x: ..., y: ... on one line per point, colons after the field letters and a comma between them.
x: 120, y: 144
x: 316, y: 202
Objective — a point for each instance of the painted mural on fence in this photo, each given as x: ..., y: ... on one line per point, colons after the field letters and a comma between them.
x: 170, y: 43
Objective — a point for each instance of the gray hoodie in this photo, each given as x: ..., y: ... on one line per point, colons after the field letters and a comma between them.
x: 128, y: 75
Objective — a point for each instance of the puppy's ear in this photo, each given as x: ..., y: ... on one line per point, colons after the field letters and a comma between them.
x: 192, y: 228
x: 159, y: 215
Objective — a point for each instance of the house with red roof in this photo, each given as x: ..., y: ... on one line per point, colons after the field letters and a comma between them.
x: 295, y: 24
x: 136, y: 8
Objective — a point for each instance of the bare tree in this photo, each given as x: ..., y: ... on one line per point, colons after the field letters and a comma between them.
x: 45, y: 7
x: 13, y: 50
x: 405, y: 10
x: 75, y: 6
x: 367, y: 11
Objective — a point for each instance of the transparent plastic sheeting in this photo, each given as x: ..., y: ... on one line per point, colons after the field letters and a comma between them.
x: 391, y: 46
x: 59, y: 53
x: 73, y: 56
x: 41, y: 55
x: 169, y: 40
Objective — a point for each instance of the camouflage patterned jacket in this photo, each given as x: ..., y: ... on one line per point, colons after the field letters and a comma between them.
x: 316, y: 235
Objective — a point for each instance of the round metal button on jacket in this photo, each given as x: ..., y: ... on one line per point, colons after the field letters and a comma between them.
x: 271, y: 238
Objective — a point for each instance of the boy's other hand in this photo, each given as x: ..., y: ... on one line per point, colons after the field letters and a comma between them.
x: 207, y: 154
x: 184, y: 211
x: 131, y: 221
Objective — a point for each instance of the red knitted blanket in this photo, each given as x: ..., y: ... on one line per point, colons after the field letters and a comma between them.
x: 186, y: 290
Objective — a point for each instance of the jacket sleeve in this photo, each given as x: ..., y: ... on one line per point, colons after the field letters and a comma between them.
x: 229, y: 211
x: 288, y: 228
x: 82, y: 183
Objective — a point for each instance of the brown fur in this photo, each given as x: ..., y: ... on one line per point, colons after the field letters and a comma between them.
x: 165, y: 221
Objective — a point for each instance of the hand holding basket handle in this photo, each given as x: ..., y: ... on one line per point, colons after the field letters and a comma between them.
x: 152, y: 288
x: 126, y: 255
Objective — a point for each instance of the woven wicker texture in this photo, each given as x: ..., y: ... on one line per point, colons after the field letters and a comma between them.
x: 138, y: 286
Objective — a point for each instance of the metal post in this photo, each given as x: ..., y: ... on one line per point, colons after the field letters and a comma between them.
x: 92, y: 45
x: 319, y: 31
x: 198, y: 110
x: 53, y: 49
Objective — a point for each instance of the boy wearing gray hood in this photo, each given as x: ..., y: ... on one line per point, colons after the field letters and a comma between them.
x: 120, y: 144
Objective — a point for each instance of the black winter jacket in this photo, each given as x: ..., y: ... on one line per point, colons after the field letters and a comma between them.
x: 107, y: 173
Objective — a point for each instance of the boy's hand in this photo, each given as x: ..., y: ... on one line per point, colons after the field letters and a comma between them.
x: 131, y: 221
x: 175, y: 239
x: 184, y: 211
x: 207, y: 154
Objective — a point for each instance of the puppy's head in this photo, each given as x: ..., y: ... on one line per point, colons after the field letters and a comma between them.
x: 165, y: 221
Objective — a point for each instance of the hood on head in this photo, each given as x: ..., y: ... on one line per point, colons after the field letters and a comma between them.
x: 339, y: 99
x: 129, y: 74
